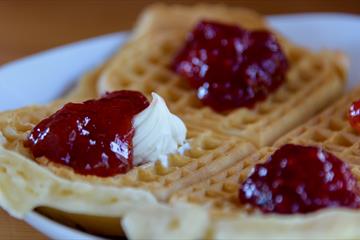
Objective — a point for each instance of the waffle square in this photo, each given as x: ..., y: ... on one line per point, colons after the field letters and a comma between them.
x: 208, y: 153
x: 218, y: 194
x: 313, y: 81
x: 42, y: 183
x: 329, y: 130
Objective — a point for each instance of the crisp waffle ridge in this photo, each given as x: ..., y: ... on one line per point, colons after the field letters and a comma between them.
x: 219, y: 193
x: 208, y: 154
x: 332, y: 131
x: 313, y: 81
x: 329, y: 130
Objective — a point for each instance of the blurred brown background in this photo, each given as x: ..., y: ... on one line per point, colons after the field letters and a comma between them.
x: 30, y: 26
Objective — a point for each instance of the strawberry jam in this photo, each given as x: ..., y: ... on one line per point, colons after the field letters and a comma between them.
x: 354, y: 115
x: 298, y: 179
x: 231, y: 67
x: 94, y: 137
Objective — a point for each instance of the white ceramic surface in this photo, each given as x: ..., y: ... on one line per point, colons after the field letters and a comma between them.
x: 46, y: 76
x: 56, y: 230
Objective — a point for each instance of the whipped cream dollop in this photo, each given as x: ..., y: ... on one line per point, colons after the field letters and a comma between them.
x: 158, y: 133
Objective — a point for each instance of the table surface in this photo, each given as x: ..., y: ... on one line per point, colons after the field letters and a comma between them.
x: 28, y: 27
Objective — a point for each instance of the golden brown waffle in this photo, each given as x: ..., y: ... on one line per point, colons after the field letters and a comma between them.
x: 313, y: 81
x: 209, y: 153
x: 329, y: 130
x: 217, y: 197
x: 189, y: 222
x: 332, y: 131
x: 220, y: 192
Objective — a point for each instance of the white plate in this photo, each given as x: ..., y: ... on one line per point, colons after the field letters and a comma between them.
x: 46, y: 76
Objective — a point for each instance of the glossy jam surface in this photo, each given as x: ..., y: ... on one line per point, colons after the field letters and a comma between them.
x: 298, y: 179
x: 229, y: 66
x: 94, y: 137
x: 354, y: 115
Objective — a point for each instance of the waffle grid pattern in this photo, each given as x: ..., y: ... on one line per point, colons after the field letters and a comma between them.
x: 208, y: 154
x: 312, y: 82
x: 220, y: 192
x: 330, y: 130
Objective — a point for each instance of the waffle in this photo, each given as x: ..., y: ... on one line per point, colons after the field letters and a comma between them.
x: 332, y: 131
x: 25, y: 185
x: 329, y: 130
x: 220, y: 192
x: 313, y: 81
x: 54, y: 186
x: 191, y: 222
x: 209, y: 154
x: 218, y: 141
x: 61, y: 200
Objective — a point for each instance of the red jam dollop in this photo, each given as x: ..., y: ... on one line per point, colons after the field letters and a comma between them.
x: 298, y: 179
x: 231, y: 67
x: 354, y: 115
x: 94, y: 137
